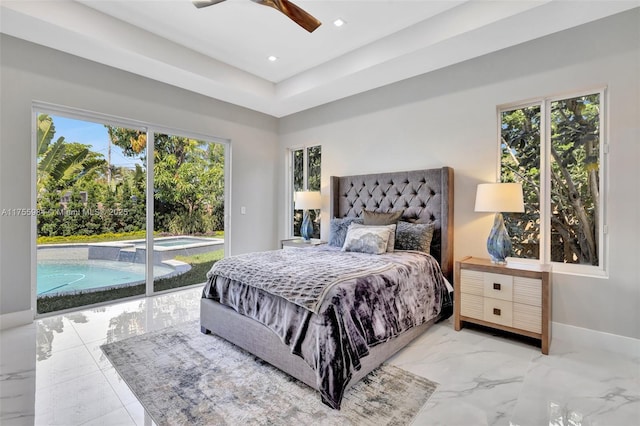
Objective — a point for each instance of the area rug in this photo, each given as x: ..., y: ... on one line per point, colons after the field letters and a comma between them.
x: 184, y: 377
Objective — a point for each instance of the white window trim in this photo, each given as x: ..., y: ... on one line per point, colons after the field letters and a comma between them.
x: 289, y: 207
x: 600, y: 271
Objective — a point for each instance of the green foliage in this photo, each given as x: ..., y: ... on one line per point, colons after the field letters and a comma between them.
x: 574, y: 167
x: 50, y: 210
x: 120, y: 236
x: 200, y: 265
x: 73, y: 221
x: 63, y: 162
x: 189, y: 185
x: 61, y: 302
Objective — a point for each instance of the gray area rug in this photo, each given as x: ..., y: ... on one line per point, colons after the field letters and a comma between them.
x: 183, y: 377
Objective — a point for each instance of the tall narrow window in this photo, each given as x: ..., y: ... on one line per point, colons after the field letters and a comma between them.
x: 521, y: 156
x: 554, y: 149
x: 306, y: 165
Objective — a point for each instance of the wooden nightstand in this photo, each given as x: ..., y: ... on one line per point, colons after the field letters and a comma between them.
x: 503, y: 297
x: 300, y: 243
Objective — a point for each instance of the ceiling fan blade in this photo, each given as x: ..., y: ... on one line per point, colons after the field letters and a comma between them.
x: 204, y: 3
x: 299, y: 16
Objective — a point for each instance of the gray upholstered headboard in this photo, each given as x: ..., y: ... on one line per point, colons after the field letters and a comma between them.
x: 425, y: 196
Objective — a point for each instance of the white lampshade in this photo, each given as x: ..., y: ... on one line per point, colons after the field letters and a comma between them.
x: 308, y: 200
x: 499, y: 197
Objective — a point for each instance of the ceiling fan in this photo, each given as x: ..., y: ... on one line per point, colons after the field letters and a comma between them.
x: 299, y: 16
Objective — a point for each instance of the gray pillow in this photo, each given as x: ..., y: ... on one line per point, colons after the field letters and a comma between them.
x: 376, y: 218
x: 391, y: 244
x: 338, y: 229
x: 414, y: 236
x: 367, y: 239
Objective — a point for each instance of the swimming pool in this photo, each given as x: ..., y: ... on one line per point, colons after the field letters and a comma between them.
x: 184, y: 241
x: 68, y: 276
x: 164, y: 248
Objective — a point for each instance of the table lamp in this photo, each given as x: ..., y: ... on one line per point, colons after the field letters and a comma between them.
x: 307, y: 200
x: 498, y: 198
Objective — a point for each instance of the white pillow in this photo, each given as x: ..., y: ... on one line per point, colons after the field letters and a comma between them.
x: 391, y: 244
x: 367, y: 239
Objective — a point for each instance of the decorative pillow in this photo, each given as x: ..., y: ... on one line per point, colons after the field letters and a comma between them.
x: 414, y: 236
x: 376, y: 218
x: 391, y: 244
x: 338, y: 229
x: 368, y: 239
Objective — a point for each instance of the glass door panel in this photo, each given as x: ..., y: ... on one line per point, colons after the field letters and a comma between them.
x: 188, y: 220
x: 90, y: 208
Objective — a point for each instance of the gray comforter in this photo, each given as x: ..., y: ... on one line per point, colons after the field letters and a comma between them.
x: 329, y: 306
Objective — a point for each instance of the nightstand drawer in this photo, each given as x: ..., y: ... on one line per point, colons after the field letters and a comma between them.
x: 527, y: 317
x: 498, y: 286
x: 527, y: 291
x: 472, y: 282
x: 498, y: 311
x: 472, y: 306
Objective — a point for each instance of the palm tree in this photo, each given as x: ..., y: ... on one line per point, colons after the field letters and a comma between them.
x: 61, y: 161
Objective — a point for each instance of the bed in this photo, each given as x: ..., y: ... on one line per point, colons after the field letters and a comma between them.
x: 329, y: 326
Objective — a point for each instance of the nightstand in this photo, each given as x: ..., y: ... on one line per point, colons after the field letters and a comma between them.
x: 504, y: 297
x: 300, y: 243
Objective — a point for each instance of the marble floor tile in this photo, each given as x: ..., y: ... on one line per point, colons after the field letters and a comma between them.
x: 63, y: 366
x: 84, y: 398
x: 139, y: 415
x: 17, y: 375
x: 118, y: 417
x: 113, y: 322
x: 483, y: 379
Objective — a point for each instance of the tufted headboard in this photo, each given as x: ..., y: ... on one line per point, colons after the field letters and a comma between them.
x: 425, y: 196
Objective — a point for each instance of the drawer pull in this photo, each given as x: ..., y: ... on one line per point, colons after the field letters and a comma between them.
x: 496, y: 311
x: 496, y: 286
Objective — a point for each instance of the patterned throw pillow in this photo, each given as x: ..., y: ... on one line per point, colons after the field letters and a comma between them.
x: 414, y: 236
x: 338, y: 229
x: 368, y: 239
x: 391, y: 244
x: 377, y: 218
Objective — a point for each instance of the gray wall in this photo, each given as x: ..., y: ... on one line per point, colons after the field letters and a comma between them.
x: 30, y: 72
x: 449, y: 118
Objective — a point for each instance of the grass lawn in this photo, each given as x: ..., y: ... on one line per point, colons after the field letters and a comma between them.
x: 200, y: 265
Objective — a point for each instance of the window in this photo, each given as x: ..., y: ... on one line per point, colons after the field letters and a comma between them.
x: 554, y: 147
x: 305, y: 176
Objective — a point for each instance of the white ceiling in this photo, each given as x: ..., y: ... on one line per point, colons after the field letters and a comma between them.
x: 221, y: 51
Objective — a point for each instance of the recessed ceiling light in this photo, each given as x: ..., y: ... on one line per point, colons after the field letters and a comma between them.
x: 339, y: 22
x: 272, y: 58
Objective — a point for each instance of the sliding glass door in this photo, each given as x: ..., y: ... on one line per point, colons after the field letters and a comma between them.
x: 102, y: 200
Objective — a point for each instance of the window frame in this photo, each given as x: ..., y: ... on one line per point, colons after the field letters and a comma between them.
x: 601, y: 270
x: 289, y: 187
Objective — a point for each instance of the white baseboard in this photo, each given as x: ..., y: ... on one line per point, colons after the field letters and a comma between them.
x: 14, y: 319
x: 596, y: 339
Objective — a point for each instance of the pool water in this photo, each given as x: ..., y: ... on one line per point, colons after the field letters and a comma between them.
x: 179, y: 242
x: 54, y: 277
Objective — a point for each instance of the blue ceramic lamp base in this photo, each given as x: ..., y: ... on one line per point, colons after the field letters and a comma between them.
x: 306, y: 229
x: 499, y: 244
